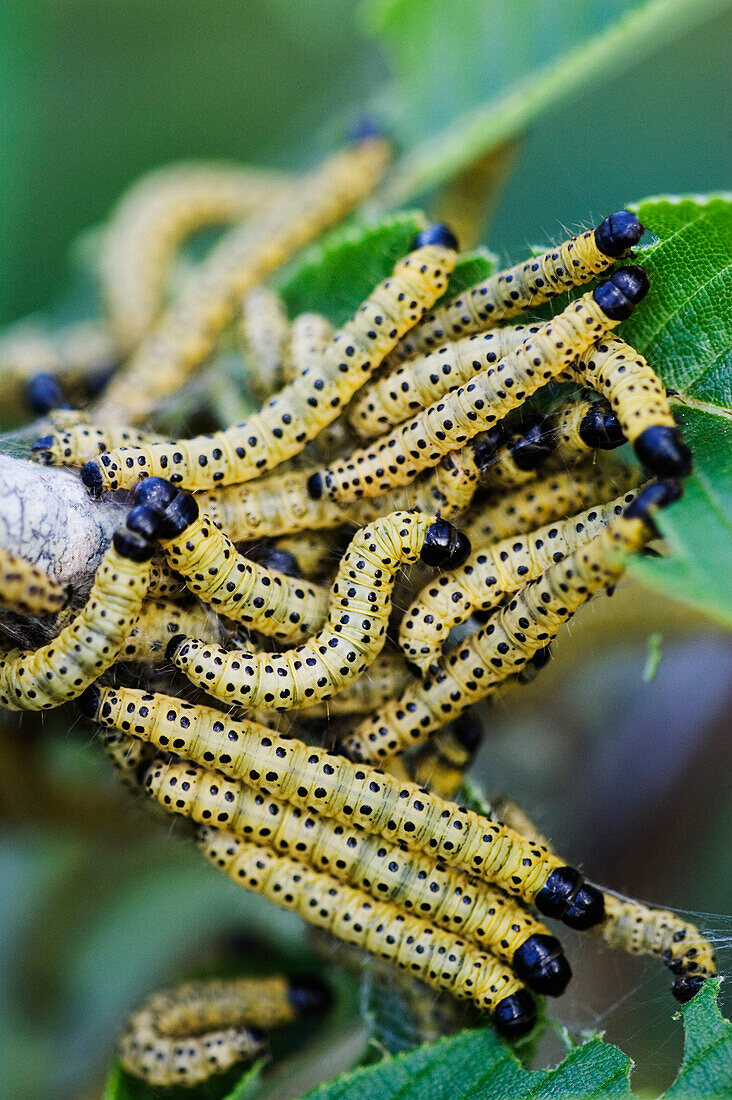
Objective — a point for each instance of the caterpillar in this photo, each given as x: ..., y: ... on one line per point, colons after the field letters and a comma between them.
x: 126, y: 754
x: 264, y: 334
x: 310, y: 333
x: 243, y: 258
x: 315, y: 554
x: 637, y: 928
x: 387, y: 676
x: 639, y: 399
x: 450, y: 423
x: 475, y: 667
x: 545, y: 500
x: 263, y: 599
x: 77, y: 444
x: 163, y: 581
x: 281, y: 505
x: 26, y: 589
x: 294, y: 416
x: 158, y: 621
x: 153, y: 220
x: 62, y: 669
x: 354, y: 632
x: 420, y: 382
x: 416, y: 884
x: 352, y: 794
x: 489, y: 574
x: 526, y: 285
x: 439, y: 958
x: 508, y: 457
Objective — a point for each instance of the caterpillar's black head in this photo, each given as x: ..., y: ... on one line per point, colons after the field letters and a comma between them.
x: 444, y: 545
x: 309, y: 996
x: 43, y: 393
x: 618, y: 296
x: 533, y: 443
x: 567, y: 897
x: 540, y: 962
x: 88, y: 701
x: 618, y: 234
x: 687, y: 986
x: 91, y: 477
x: 587, y: 908
x: 662, y: 450
x: 467, y: 732
x: 132, y: 545
x: 438, y: 234
x: 657, y: 495
x: 179, y: 514
x: 42, y: 448
x: 533, y: 667
x: 173, y: 646
x: 315, y: 485
x: 600, y: 428
x: 154, y: 492
x: 515, y: 1016
x: 485, y: 447
x: 271, y: 557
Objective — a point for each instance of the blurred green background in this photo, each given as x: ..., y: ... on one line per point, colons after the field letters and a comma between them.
x: 629, y: 778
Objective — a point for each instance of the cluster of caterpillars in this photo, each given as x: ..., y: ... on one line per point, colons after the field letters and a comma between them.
x: 274, y: 587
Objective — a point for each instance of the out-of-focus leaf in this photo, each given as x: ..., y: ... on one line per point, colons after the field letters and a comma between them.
x: 472, y: 75
x: 653, y: 658
x: 228, y: 1086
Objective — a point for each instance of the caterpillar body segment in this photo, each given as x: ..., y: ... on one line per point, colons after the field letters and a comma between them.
x: 244, y: 257
x: 309, y: 335
x: 264, y: 333
x: 509, y: 456
x: 427, y: 952
x: 354, y: 632
x: 441, y: 763
x: 387, y: 676
x: 67, y: 665
x: 281, y: 504
x: 164, y: 583
x: 415, y: 883
x: 525, y: 286
x: 452, y: 422
x: 548, y: 499
x: 159, y: 621
x: 474, y: 669
x: 153, y: 220
x: 637, y: 928
x: 126, y: 754
x: 352, y: 794
x: 420, y: 382
x: 264, y: 600
x: 26, y: 589
x: 310, y: 402
x: 638, y: 398
x: 77, y: 444
x: 489, y: 574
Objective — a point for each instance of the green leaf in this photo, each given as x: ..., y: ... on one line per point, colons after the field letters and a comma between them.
x: 472, y: 75
x: 232, y: 1085
x: 706, y: 1068
x: 684, y: 328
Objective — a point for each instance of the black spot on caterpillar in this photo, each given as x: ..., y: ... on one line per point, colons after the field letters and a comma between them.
x: 526, y: 285
x: 74, y: 444
x: 26, y: 589
x: 352, y: 794
x: 494, y: 392
x: 62, y: 669
x: 476, y: 666
x: 243, y: 258
x: 437, y: 957
x: 492, y: 572
x: 415, y: 883
x: 311, y: 401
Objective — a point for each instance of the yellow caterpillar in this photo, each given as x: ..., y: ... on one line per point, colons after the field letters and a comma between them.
x: 156, y: 624
x: 77, y: 444
x: 413, y: 882
x: 26, y: 589
x: 243, y: 258
x: 493, y: 392
x: 427, y: 952
x: 264, y: 333
x: 476, y: 666
x: 311, y: 401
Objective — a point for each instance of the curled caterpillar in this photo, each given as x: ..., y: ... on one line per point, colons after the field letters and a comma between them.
x: 295, y: 415
x: 243, y: 258
x: 264, y: 331
x: 493, y: 392
x: 265, y: 600
x: 62, y: 669
x: 476, y: 666
x: 489, y: 574
x: 545, y: 500
x: 26, y: 589
x: 352, y: 794
x: 354, y: 632
x: 427, y: 952
x: 637, y: 928
x: 509, y: 456
x: 526, y: 285
x: 153, y: 220
x: 415, y: 883
x: 281, y: 505
x: 420, y: 382
x: 158, y: 621
x: 639, y: 400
